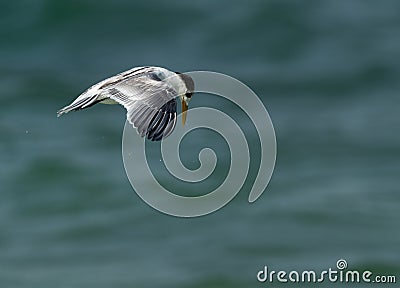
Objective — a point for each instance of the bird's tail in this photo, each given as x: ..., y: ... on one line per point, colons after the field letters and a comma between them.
x: 82, y: 102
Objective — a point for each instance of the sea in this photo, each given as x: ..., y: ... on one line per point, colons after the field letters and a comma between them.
x: 326, y: 71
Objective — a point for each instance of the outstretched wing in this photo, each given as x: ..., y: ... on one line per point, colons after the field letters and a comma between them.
x: 150, y: 103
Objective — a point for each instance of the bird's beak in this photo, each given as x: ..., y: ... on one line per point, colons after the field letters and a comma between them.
x: 184, y: 110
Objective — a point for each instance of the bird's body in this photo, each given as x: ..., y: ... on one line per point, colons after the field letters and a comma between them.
x: 147, y: 93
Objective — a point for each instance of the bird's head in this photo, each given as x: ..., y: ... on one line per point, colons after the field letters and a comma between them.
x: 187, y: 95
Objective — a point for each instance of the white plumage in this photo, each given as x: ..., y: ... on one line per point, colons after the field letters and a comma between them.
x: 147, y: 93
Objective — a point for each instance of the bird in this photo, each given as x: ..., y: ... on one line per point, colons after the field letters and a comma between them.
x: 148, y: 94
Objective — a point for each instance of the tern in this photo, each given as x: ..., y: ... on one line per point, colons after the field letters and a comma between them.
x: 147, y: 93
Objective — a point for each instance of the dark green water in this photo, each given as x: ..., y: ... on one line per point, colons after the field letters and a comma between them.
x: 328, y: 72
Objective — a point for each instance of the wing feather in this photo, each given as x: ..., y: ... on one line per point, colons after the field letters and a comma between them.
x: 149, y: 101
x: 150, y: 104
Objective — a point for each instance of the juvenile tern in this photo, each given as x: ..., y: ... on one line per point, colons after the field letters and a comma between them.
x: 147, y: 93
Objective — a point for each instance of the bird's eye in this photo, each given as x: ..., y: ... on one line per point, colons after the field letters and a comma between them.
x: 189, y: 94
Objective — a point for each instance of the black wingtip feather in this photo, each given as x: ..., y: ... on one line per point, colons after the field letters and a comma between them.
x: 160, y: 124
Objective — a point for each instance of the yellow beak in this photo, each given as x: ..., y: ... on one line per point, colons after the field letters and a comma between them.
x: 184, y: 109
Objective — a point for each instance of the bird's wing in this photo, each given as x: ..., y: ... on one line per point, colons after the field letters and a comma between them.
x: 93, y: 94
x: 150, y: 103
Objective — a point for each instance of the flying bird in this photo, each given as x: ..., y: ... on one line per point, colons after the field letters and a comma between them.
x: 147, y: 93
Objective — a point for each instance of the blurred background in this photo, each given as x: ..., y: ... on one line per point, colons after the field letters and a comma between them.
x: 328, y: 73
